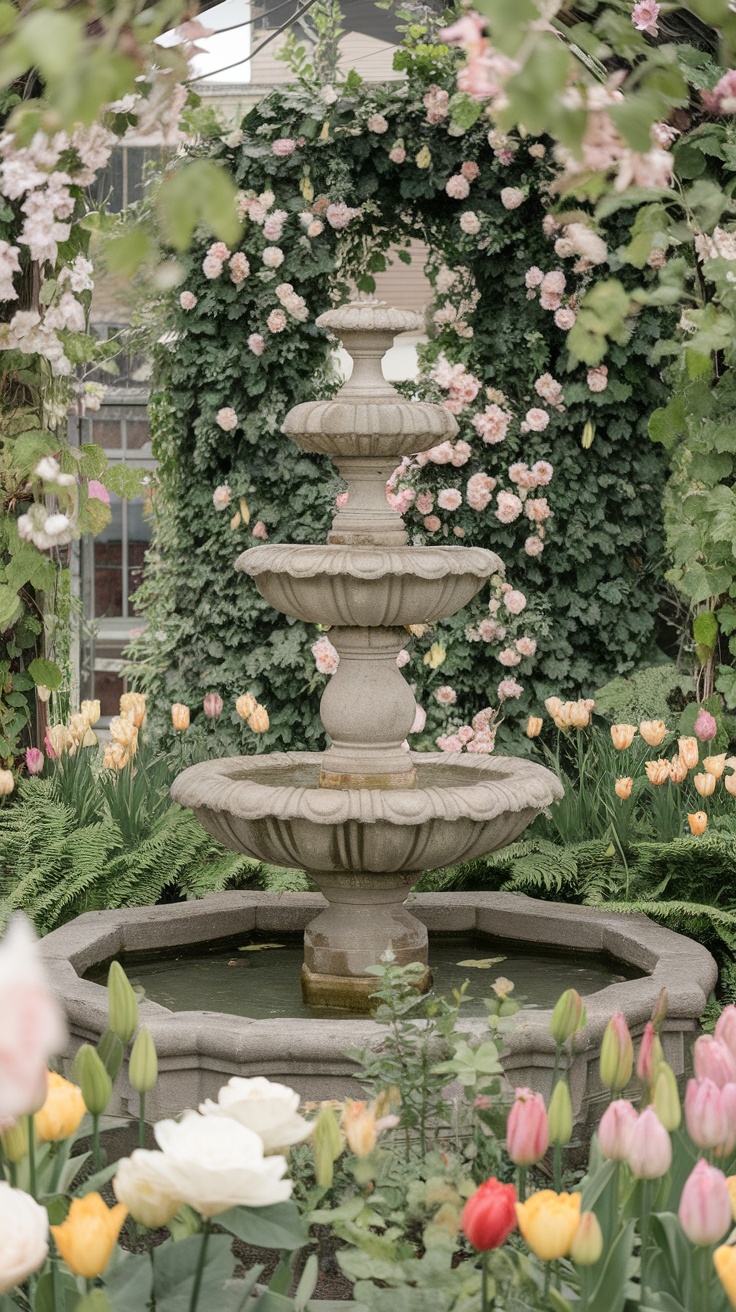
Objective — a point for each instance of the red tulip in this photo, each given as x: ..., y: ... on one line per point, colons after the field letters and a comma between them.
x: 490, y: 1215
x: 527, y: 1131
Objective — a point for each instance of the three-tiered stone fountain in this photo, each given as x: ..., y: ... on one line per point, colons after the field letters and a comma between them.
x: 366, y: 817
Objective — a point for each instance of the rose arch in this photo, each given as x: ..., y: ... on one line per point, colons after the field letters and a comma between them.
x: 552, y: 467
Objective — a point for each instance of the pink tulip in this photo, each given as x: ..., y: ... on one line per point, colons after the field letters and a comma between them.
x: 705, y: 1114
x: 725, y: 1030
x: 32, y: 1028
x: 705, y: 726
x: 614, y: 1131
x: 650, y: 1147
x: 714, y: 1061
x: 728, y: 1102
x: 645, y: 1061
x: 705, y: 1205
x: 213, y: 705
x: 34, y: 760
x: 527, y: 1132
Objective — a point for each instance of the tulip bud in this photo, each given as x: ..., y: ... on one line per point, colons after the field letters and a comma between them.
x: 15, y: 1140
x: 650, y: 1147
x: 143, y: 1064
x: 93, y: 1080
x: 650, y: 1055
x: 614, y: 1130
x: 258, y: 720
x: 705, y: 727
x: 111, y: 1052
x: 245, y: 705
x: 568, y: 1016
x: 180, y: 717
x: 534, y: 726
x: 212, y: 705
x: 559, y: 1116
x: 327, y: 1144
x: 659, y: 1014
x: 698, y: 822
x: 715, y: 765
x: 617, y: 1053
x: 359, y: 1125
x: 622, y: 735
x: 587, y: 1245
x: 623, y: 787
x: 62, y: 1112
x: 725, y: 1030
x: 122, y: 1003
x: 713, y: 1060
x: 527, y: 1131
x: 489, y: 1215
x: 705, y: 1114
x: 705, y: 1205
x: 705, y: 784
x: 666, y: 1099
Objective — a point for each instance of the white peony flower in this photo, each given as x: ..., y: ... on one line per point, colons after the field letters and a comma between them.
x: 48, y: 469
x: 213, y: 1163
x: 24, y: 1226
x: 272, y: 257
x: 269, y: 1109
x: 143, y: 1185
x: 328, y: 95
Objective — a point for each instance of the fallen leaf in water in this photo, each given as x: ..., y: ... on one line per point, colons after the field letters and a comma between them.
x: 261, y: 947
x: 484, y: 964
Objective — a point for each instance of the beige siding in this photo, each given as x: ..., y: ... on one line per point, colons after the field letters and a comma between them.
x: 373, y: 59
x: 405, y: 285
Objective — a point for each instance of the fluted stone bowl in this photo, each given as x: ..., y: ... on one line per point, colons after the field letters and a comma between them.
x: 374, y: 426
x: 369, y: 586
x: 270, y: 807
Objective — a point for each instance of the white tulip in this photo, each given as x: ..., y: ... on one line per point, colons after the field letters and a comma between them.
x: 213, y: 1163
x: 24, y: 1227
x: 142, y: 1183
x: 270, y: 1110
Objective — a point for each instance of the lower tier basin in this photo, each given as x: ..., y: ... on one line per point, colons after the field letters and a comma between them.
x: 200, y: 1048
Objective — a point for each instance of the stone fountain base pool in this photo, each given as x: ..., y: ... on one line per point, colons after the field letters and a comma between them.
x: 624, y: 960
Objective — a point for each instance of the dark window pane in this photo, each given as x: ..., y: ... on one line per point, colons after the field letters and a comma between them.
x: 108, y: 433
x: 108, y: 549
x: 139, y: 536
x: 108, y: 687
x: 137, y: 434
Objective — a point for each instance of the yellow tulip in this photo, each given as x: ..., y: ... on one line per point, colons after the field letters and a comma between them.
x: 658, y: 772
x: 729, y: 783
x: 15, y: 1140
x: 731, y: 1182
x: 115, y: 757
x: 91, y: 711
x: 424, y: 158
x: 705, y: 784
x: 258, y: 720
x: 7, y: 782
x: 622, y: 735
x: 587, y: 1245
x: 688, y: 748
x: 678, y: 770
x: 359, y: 1126
x: 88, y: 1236
x: 653, y: 731
x: 580, y: 713
x: 245, y: 705
x: 715, y: 765
x: 180, y: 716
x: 697, y: 822
x: 724, y: 1261
x: 435, y: 656
x: 548, y: 1222
x: 133, y: 707
x: 534, y: 726
x: 62, y: 1111
x: 123, y: 731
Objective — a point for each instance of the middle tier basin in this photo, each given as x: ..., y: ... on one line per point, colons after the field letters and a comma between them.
x: 368, y: 587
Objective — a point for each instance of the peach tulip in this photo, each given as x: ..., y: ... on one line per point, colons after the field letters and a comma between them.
x: 180, y: 717
x: 534, y: 726
x: 678, y: 770
x: 623, y: 735
x: 658, y: 772
x: 698, y: 822
x: 715, y: 765
x: 653, y: 732
x: 688, y: 748
x: 623, y: 787
x: 729, y: 784
x: 705, y: 784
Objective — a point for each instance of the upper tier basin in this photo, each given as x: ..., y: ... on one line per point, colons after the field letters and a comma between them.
x: 379, y: 426
x: 271, y: 808
x: 368, y: 587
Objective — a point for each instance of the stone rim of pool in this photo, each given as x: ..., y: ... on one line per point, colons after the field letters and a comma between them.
x: 199, y: 1051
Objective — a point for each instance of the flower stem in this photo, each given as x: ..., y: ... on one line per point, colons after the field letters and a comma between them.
x: 644, y: 1233
x: 484, y: 1303
x: 32, y: 1156
x: 141, y: 1120
x: 200, y: 1266
x: 707, y: 1269
x: 557, y: 1166
x: 96, y: 1158
x: 521, y: 1190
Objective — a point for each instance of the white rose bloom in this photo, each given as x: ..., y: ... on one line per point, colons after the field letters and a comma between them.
x: 328, y: 95
x: 47, y: 469
x: 143, y: 1185
x: 213, y: 1163
x: 24, y: 1226
x: 270, y: 1110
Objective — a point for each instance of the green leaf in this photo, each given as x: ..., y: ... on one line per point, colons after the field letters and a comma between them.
x: 95, y: 1301
x: 705, y: 629
x: 125, y: 254
x: 198, y: 192
x: 279, y: 1226
x: 129, y: 1284
x: 175, y: 1267
x: 124, y: 481
x: 45, y: 672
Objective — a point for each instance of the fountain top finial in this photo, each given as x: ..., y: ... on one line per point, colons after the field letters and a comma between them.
x: 370, y: 315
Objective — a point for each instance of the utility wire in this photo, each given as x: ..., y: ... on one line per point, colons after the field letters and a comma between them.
x: 248, y: 22
x: 202, y: 77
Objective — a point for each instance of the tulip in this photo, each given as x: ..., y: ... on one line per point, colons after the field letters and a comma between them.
x: 731, y: 1182
x: 32, y: 1027
x: 122, y: 1003
x: 729, y: 784
x: 88, y: 1236
x: 527, y: 1131
x: 614, y: 1130
x: 715, y: 765
x: 705, y: 784
x: 698, y: 822
x: 62, y: 1112
x: 7, y: 782
x: 15, y: 1140
x: 724, y: 1261
x: 653, y: 732
x: 650, y: 1055
x: 143, y: 1065
x: 568, y: 1016
x: 34, y: 760
x: 435, y: 656
x: 623, y: 735
x: 714, y: 1061
x: 57, y: 741
x: 24, y: 1225
x: 658, y: 772
x: 489, y: 1215
x: 553, y: 705
x: 43, y: 693
x: 91, y: 710
x: 705, y: 1114
x: 617, y: 1053
x: 360, y: 1127
x: 327, y: 1145
x: 689, y: 751
x: 705, y: 1205
x: 124, y: 732
x: 587, y: 1245
x: 180, y: 717
x: 245, y: 705
x: 661, y: 1007
x: 579, y: 714
x: 132, y: 707
x: 705, y: 727
x: 728, y: 1102
x: 725, y: 1030
x: 271, y: 1111
x: 548, y: 1222
x: 650, y: 1147
x: 666, y: 1099
x: 258, y: 720
x: 559, y: 1116
x: 534, y: 726
x: 623, y: 787
x: 678, y: 770
x: 213, y: 705
x: 94, y: 1080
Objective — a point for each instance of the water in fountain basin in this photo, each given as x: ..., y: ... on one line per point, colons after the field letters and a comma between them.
x: 264, y: 982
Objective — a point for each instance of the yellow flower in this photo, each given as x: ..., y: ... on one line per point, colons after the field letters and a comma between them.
x: 359, y: 1125
x: 62, y: 1111
x: 697, y: 822
x: 245, y: 705
x: 78, y: 726
x: 258, y: 720
x: 60, y: 738
x: 623, y: 735
x: 731, y: 1182
x: 688, y: 751
x: 724, y: 1261
x: 88, y: 1236
x: 548, y: 1222
x: 587, y: 1245
x: 115, y: 757
x: 133, y: 707
x: 678, y: 770
x: 580, y: 713
x: 729, y: 783
x: 658, y: 772
x: 705, y: 784
x: 91, y: 711
x: 424, y: 158
x: 623, y: 787
x: 715, y: 765
x: 534, y: 726
x: 653, y: 731
x: 180, y: 716
x: 124, y: 732
x: 435, y: 656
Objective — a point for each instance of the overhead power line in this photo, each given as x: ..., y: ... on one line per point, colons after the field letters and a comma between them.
x: 202, y: 77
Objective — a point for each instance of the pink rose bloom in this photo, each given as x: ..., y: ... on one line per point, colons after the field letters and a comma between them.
x: 221, y: 497
x: 509, y: 688
x: 533, y: 277
x: 470, y: 170
x: 514, y: 601
x: 227, y: 419
x: 470, y: 223
x: 260, y: 530
x: 598, y: 378
x: 527, y: 1132
x: 403, y: 659
x: 491, y: 631
x: 283, y: 146
x: 239, y: 268
x: 534, y: 546
x: 32, y: 1028
x: 397, y: 154
x: 449, y: 499
x: 509, y: 656
x: 461, y: 453
x: 543, y: 472
x: 550, y: 300
x: 550, y: 390
x: 537, y: 509
x: 705, y: 727
x: 256, y: 343
x: 432, y: 523
x: 479, y: 490
x: 187, y: 300
x: 450, y: 744
x: 34, y: 760
x: 537, y: 419
x: 425, y: 503
x: 457, y: 187
x: 276, y: 321
x: 436, y: 101
x: 482, y: 744
x: 219, y: 251
x: 315, y: 228
x: 273, y: 228
x: 98, y: 491
x: 272, y: 257
x: 722, y: 99
x: 554, y: 282
x: 339, y: 216
x: 466, y: 734
x: 440, y: 455
x: 565, y: 319
x: 325, y: 656
x: 644, y: 16
x: 378, y: 123
x: 420, y: 719
x: 211, y: 267
x: 212, y: 705
x: 445, y: 695
x: 517, y: 471
x: 526, y: 646
x: 508, y: 507
x: 341, y: 499
x: 511, y: 197
x: 492, y: 424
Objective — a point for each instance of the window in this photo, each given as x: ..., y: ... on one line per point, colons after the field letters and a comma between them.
x: 123, y: 180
